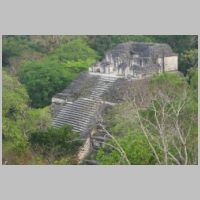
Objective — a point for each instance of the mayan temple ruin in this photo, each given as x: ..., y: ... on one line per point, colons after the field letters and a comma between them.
x: 137, y: 59
x: 78, y: 105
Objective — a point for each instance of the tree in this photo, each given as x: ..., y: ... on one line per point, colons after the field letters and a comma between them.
x: 54, y: 72
x: 103, y: 43
x: 19, y: 120
x: 169, y: 121
x: 54, y: 144
x: 179, y: 43
x: 188, y: 59
x: 131, y: 148
x: 192, y: 77
x: 163, y: 111
x: 10, y: 48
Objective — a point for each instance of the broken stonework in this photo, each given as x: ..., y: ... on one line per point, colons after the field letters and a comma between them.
x: 137, y: 59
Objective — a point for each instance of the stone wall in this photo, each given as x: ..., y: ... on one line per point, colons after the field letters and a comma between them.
x: 137, y: 59
x: 171, y: 63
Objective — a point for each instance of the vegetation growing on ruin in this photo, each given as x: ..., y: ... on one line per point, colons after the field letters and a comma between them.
x: 37, y: 67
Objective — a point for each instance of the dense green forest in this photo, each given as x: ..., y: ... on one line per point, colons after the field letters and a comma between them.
x: 37, y: 67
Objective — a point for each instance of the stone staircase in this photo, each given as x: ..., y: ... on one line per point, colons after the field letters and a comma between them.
x: 82, y: 112
x: 104, y: 83
x: 79, y: 114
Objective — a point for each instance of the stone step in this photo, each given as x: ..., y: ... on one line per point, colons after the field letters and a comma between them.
x: 100, y: 89
x: 83, y: 100
x: 80, y: 117
x: 84, y: 119
x: 104, y: 83
x: 72, y: 120
x: 98, y: 92
x: 101, y: 86
x: 108, y: 80
x: 74, y: 125
x: 79, y: 112
x: 95, y: 95
x: 79, y: 109
x: 96, y: 101
x: 80, y: 103
x: 83, y: 106
x: 59, y: 124
x: 79, y: 129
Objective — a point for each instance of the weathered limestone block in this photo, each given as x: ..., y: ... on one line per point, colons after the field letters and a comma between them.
x: 171, y: 63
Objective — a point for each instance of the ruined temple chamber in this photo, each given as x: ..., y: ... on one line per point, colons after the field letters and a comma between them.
x: 137, y: 59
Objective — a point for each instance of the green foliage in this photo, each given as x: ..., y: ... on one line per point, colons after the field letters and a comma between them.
x: 15, y: 98
x: 136, y: 147
x: 75, y: 50
x: 53, y: 73
x: 188, y: 59
x: 43, y: 79
x: 174, y: 84
x: 108, y: 158
x: 125, y: 129
x: 19, y: 120
x: 179, y: 43
x: 55, y: 143
x: 103, y: 43
x: 18, y: 48
x: 167, y: 93
x: 169, y: 82
x: 12, y: 46
x: 193, y: 78
x: 63, y: 161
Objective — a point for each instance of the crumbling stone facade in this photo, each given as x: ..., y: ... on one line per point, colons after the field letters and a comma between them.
x: 137, y: 59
